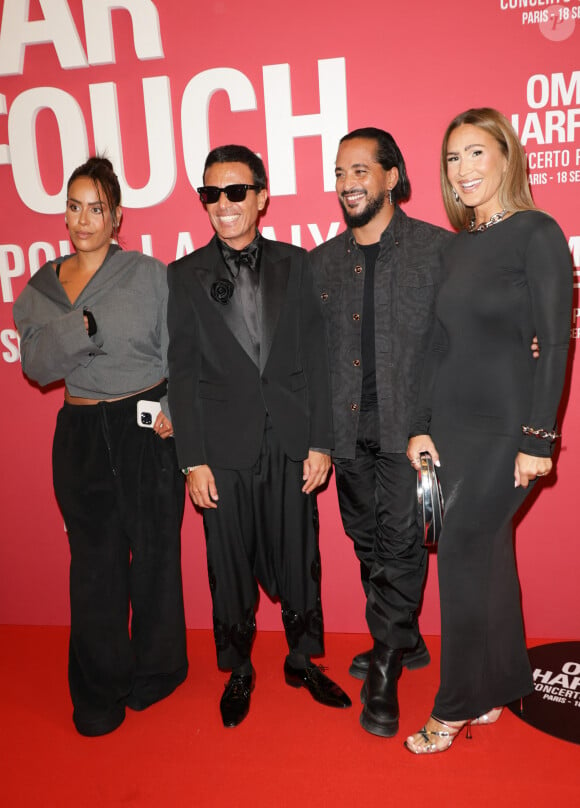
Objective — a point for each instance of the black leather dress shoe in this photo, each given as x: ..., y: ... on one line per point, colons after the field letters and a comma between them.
x: 320, y: 687
x: 413, y: 659
x: 380, y: 715
x: 235, y: 702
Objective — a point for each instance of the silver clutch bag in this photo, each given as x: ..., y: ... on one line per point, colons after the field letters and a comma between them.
x: 429, y: 501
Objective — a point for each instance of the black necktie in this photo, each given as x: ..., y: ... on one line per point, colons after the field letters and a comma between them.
x: 247, y: 288
x: 243, y: 265
x: 248, y: 257
x: 235, y: 259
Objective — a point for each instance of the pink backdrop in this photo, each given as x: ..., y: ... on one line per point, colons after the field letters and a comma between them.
x: 154, y: 85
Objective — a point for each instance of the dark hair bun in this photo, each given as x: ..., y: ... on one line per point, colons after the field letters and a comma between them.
x: 96, y: 162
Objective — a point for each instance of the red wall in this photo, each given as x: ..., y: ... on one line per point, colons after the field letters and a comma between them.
x: 154, y: 85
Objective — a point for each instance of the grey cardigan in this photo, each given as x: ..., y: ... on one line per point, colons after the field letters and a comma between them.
x: 128, y: 299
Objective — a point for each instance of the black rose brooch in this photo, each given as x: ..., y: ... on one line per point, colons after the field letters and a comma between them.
x: 222, y: 290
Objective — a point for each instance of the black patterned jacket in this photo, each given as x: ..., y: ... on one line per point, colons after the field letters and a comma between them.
x: 407, y: 277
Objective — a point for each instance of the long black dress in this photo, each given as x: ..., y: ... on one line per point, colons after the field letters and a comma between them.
x: 481, y: 384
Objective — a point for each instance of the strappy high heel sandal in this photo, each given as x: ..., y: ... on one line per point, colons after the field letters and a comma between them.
x: 488, y: 718
x: 430, y: 741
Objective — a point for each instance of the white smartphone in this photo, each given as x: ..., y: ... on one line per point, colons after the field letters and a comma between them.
x: 147, y: 412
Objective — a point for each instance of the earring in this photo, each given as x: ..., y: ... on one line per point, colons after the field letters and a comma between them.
x: 455, y: 195
x: 390, y: 197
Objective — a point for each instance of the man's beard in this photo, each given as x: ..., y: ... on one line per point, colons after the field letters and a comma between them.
x: 374, y: 205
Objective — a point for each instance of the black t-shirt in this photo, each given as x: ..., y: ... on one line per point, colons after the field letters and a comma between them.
x: 369, y: 385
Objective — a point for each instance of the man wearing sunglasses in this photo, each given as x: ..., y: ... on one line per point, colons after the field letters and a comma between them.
x: 250, y: 403
x: 377, y: 282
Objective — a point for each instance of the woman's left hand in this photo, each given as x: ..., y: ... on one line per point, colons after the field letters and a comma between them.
x: 162, y: 426
x: 527, y: 468
x: 418, y: 444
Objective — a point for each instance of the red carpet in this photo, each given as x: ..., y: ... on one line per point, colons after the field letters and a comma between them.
x: 289, y: 752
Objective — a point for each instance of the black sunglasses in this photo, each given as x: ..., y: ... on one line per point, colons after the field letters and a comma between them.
x: 235, y: 193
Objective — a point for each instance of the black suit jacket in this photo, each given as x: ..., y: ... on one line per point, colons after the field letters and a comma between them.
x: 218, y: 395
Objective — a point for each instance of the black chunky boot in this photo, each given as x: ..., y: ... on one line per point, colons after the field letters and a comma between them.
x: 380, y: 715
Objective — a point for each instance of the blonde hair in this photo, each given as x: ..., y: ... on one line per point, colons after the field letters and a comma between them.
x: 514, y: 192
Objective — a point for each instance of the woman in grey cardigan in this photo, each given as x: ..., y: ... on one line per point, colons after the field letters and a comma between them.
x: 97, y: 319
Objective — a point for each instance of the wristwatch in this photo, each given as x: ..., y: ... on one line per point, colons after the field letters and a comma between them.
x: 187, y: 469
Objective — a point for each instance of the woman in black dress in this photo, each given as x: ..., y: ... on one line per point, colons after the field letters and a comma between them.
x: 487, y: 412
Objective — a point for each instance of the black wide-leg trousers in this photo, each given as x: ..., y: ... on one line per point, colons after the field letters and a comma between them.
x: 122, y: 497
x: 264, y: 530
x: 377, y: 499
